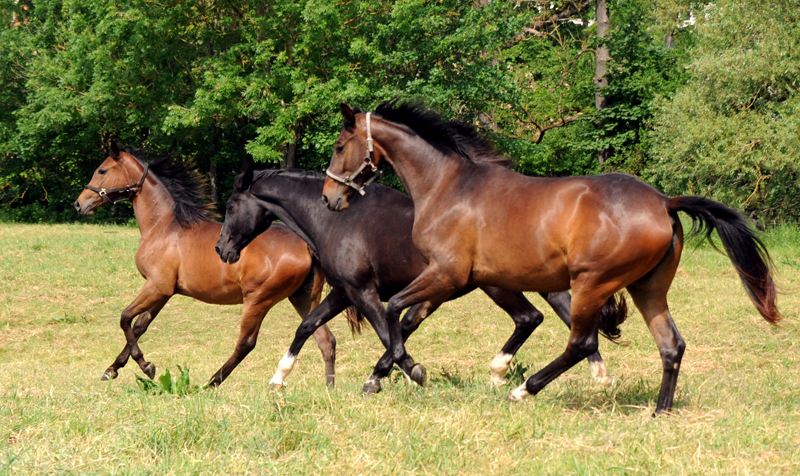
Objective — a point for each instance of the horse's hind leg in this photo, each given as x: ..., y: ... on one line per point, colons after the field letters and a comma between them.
x: 304, y: 301
x: 252, y: 317
x: 560, y: 302
x: 526, y: 319
x: 139, y: 328
x: 650, y: 296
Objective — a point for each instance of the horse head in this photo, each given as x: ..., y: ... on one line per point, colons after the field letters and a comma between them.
x: 111, y: 183
x: 355, y: 160
x: 245, y: 218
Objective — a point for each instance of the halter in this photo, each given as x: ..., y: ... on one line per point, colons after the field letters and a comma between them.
x: 348, y: 181
x: 130, y: 189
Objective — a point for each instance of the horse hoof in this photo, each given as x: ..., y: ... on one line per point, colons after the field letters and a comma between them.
x: 275, y: 387
x: 371, y: 387
x: 520, y: 393
x: 419, y: 374
x: 150, y: 370
x: 109, y: 374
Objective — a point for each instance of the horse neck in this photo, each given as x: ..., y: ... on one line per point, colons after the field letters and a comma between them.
x: 297, y: 203
x: 421, y: 168
x: 152, y: 205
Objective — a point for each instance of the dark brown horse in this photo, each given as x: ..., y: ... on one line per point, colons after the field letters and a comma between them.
x: 176, y: 256
x: 478, y: 223
x: 367, y: 257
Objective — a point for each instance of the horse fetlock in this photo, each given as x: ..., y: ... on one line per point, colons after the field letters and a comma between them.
x: 600, y: 372
x: 499, y: 367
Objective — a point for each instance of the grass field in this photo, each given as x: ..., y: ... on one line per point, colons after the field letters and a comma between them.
x: 737, y: 408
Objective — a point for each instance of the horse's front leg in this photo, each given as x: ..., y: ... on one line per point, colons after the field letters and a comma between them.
x: 560, y: 302
x: 432, y: 287
x: 139, y: 328
x: 332, y: 305
x: 148, y: 298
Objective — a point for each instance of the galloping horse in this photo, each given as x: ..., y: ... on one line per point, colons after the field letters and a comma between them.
x: 176, y: 256
x: 367, y: 256
x: 477, y: 223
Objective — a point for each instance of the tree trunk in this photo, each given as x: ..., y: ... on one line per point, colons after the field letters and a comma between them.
x: 213, y: 176
x: 290, y: 151
x: 601, y: 59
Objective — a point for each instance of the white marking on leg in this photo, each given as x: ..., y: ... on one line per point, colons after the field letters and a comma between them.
x: 285, y: 367
x: 600, y: 372
x: 519, y: 393
x: 499, y: 367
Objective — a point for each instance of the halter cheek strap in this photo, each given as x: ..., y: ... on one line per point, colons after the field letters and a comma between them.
x: 129, y: 189
x: 349, y: 180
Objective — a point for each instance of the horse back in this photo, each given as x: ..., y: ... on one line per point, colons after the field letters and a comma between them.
x: 524, y: 233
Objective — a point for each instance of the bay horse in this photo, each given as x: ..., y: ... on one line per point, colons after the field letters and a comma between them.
x: 478, y: 223
x: 176, y: 256
x: 367, y: 256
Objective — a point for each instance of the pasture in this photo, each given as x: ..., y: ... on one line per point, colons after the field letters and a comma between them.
x: 737, y: 407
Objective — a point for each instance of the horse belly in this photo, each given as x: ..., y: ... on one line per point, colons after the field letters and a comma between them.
x: 521, y: 275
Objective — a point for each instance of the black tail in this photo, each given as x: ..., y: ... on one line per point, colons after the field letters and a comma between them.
x: 745, y: 250
x: 612, y: 315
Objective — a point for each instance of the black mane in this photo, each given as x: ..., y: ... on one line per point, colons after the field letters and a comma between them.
x: 301, y: 173
x: 454, y: 137
x: 186, y: 186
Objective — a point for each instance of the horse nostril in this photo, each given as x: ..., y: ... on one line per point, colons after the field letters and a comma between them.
x: 77, y: 205
x: 324, y: 199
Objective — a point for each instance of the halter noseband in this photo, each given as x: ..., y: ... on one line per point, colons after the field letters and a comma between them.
x: 348, y: 181
x: 129, y: 189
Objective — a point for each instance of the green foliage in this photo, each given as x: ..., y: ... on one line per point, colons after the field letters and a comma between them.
x: 732, y: 132
x: 231, y: 84
x: 167, y: 384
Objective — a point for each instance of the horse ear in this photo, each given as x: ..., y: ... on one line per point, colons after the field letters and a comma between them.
x: 114, y: 149
x: 348, y: 115
x: 243, y: 181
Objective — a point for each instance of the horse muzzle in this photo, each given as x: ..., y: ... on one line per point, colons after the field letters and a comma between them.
x: 334, y: 198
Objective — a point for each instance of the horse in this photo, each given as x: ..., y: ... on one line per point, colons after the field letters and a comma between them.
x: 367, y: 256
x: 176, y: 256
x: 478, y: 223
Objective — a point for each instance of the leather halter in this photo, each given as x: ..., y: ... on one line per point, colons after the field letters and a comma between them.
x: 348, y: 181
x: 129, y: 189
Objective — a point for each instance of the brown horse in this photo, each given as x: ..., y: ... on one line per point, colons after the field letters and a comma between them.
x: 176, y: 256
x: 478, y: 223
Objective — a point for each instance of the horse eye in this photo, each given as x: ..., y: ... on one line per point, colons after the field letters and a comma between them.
x: 101, y: 172
x: 339, y: 149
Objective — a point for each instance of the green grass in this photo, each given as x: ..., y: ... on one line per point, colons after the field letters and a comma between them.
x: 737, y: 408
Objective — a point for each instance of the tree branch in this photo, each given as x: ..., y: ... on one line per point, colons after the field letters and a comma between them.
x: 533, y: 28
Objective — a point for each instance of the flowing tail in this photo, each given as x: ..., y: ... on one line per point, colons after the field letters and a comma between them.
x: 612, y: 315
x: 747, y: 253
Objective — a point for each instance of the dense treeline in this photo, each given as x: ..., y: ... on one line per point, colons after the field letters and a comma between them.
x: 702, y: 98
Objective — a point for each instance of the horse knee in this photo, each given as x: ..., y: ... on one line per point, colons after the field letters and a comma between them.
x: 582, y: 347
x: 307, y: 328
x: 531, y: 320
x: 247, y: 345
